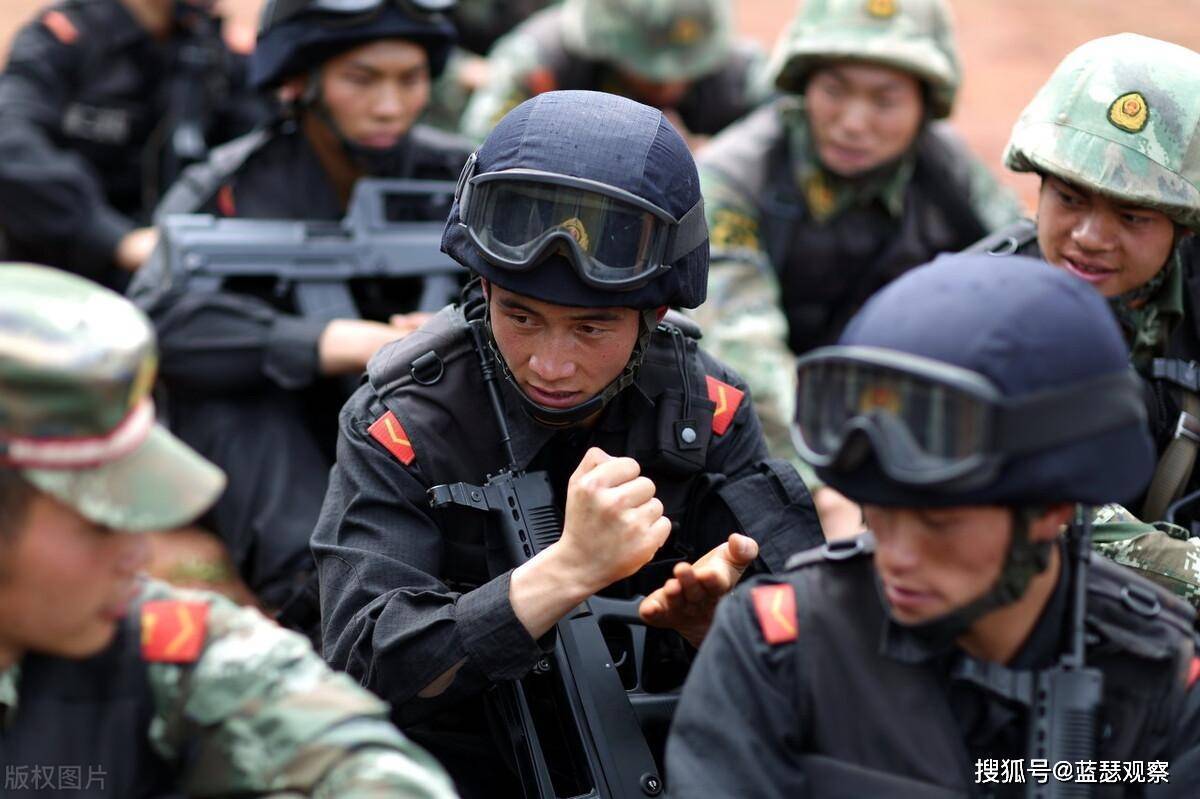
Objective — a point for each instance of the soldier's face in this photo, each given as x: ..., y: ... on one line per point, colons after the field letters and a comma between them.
x: 1114, y: 246
x: 660, y: 94
x: 561, y: 356
x: 934, y: 561
x: 65, y: 582
x: 862, y: 116
x: 376, y: 92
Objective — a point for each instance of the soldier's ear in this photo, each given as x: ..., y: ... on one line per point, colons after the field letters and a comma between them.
x: 292, y: 89
x: 487, y: 288
x: 1047, y: 524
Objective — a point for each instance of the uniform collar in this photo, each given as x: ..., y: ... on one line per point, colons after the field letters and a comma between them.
x: 1148, y: 327
x: 827, y: 195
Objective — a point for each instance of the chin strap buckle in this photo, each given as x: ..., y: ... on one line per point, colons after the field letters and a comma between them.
x: 1188, y: 427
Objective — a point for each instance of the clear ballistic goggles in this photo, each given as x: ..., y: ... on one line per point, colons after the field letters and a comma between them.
x: 936, y: 425
x: 278, y: 11
x: 616, y: 240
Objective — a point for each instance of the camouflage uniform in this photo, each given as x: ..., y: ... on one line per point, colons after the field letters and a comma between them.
x: 584, y: 44
x: 796, y: 249
x: 1120, y: 116
x: 191, y: 693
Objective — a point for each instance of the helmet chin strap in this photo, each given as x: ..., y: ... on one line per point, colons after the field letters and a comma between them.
x: 374, y: 161
x: 1025, y: 560
x: 568, y: 417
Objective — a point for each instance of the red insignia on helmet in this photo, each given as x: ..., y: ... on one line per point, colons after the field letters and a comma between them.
x: 61, y: 26
x: 173, y: 631
x: 775, y: 606
x: 728, y: 400
x: 388, y: 431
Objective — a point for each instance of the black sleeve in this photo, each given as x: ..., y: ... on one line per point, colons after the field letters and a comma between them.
x: 765, y: 496
x: 49, y: 194
x: 739, y: 727
x: 220, y: 342
x: 386, y: 617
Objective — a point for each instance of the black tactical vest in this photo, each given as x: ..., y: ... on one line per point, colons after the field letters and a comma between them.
x: 827, y: 271
x: 432, y: 382
x: 916, y: 748
x: 84, y: 724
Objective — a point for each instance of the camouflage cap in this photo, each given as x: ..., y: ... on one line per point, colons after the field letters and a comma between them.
x: 916, y: 36
x: 77, y: 363
x: 1120, y: 115
x: 659, y: 40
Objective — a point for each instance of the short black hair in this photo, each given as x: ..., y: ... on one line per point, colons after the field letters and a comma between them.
x: 15, y: 495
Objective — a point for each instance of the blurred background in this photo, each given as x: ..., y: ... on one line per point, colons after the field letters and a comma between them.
x: 1008, y: 48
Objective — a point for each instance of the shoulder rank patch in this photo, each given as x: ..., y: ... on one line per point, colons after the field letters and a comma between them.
x: 61, y: 26
x: 1193, y: 672
x: 775, y: 606
x: 173, y: 631
x: 388, y: 431
x: 728, y: 400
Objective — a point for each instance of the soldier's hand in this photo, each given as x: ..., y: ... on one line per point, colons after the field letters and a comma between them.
x: 135, y: 247
x: 687, y: 601
x: 346, y: 345
x: 614, y: 524
x: 406, y: 323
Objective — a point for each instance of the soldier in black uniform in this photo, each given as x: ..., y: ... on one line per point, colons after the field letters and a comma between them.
x: 903, y: 662
x: 582, y: 215
x: 249, y: 379
x: 102, y: 102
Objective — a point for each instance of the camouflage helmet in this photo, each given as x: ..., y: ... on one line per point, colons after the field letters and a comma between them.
x: 77, y: 363
x: 658, y: 40
x: 915, y: 36
x: 1120, y: 115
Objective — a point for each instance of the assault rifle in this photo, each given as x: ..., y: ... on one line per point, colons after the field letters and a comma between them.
x: 316, y: 260
x: 575, y: 729
x: 1065, y: 704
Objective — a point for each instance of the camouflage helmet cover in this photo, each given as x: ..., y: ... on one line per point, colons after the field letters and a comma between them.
x: 915, y: 36
x: 1120, y: 115
x: 657, y: 40
x: 77, y: 363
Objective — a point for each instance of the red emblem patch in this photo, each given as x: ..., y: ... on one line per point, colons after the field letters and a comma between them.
x: 173, y: 631
x: 388, y: 431
x: 1193, y: 672
x: 225, y: 203
x: 775, y: 606
x: 61, y: 26
x: 728, y: 400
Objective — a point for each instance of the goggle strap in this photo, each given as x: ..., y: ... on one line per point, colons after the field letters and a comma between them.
x: 690, y: 233
x: 1051, y: 418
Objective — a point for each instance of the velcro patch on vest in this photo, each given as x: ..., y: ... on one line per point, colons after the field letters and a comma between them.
x: 61, y: 26
x: 173, y: 631
x: 388, y: 431
x: 1193, y: 672
x: 775, y: 606
x: 727, y: 398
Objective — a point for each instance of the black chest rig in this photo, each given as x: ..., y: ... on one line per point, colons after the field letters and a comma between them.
x: 828, y: 270
x: 432, y: 382
x: 1137, y: 635
x: 82, y: 724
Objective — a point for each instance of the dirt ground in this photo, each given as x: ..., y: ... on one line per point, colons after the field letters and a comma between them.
x: 1008, y: 48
